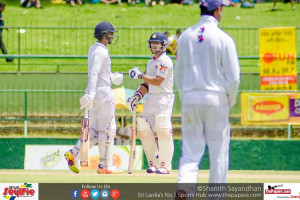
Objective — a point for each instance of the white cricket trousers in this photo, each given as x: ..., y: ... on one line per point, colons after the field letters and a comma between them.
x: 102, y: 120
x: 203, y: 125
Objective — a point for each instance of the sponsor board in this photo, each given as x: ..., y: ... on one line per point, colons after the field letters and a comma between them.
x: 270, y: 108
x: 278, y: 63
x: 44, y: 157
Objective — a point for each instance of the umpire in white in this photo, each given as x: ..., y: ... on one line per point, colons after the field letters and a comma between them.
x: 207, y: 75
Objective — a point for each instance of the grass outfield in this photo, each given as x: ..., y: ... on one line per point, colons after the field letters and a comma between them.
x: 130, y: 43
x: 90, y: 176
x: 170, y: 15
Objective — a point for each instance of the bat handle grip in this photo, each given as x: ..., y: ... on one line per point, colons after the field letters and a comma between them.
x: 86, y: 113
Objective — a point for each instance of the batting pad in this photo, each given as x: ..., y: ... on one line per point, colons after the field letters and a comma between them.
x: 105, y: 150
x: 165, y: 140
x: 148, y: 141
x: 105, y: 145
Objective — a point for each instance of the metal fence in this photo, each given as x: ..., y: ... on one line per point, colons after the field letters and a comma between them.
x: 41, y: 47
x: 23, y: 40
x: 64, y: 49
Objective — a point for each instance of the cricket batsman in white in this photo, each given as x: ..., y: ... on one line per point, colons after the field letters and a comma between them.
x: 154, y: 128
x: 99, y: 100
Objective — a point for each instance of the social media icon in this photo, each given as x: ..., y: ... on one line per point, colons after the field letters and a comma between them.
x: 85, y: 194
x: 95, y: 194
x: 75, y: 194
x: 115, y: 194
x: 104, y: 194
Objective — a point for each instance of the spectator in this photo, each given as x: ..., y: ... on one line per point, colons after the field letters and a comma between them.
x: 275, y: 1
x: 176, y: 1
x: 167, y: 33
x: 2, y: 46
x: 133, y: 2
x: 73, y: 2
x: 31, y: 3
x: 111, y: 1
x: 154, y: 2
x: 123, y: 135
x: 173, y: 42
x: 188, y: 2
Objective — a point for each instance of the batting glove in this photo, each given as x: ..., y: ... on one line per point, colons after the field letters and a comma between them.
x: 86, y: 101
x: 135, y: 73
x: 117, y: 78
x: 133, y: 101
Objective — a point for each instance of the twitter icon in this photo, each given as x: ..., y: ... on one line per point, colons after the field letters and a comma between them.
x: 95, y: 194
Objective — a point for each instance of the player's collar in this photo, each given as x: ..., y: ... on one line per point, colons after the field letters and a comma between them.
x: 101, y: 44
x: 209, y: 19
x: 159, y: 56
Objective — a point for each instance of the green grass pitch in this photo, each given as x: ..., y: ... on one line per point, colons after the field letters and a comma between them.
x: 91, y: 176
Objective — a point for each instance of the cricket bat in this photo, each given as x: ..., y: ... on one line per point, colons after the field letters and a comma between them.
x: 132, y: 143
x: 85, y: 139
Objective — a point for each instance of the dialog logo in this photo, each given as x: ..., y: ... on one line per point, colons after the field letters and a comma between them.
x: 115, y: 194
x: 95, y: 194
x: 104, y: 194
x: 75, y: 194
x: 85, y: 193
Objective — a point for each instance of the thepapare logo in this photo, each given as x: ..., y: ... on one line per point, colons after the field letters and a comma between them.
x: 50, y: 158
x: 271, y: 57
x: 272, y: 190
x: 268, y: 107
x: 13, y: 192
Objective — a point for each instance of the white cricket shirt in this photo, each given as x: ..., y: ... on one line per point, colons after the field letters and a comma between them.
x: 163, y: 67
x: 207, y: 62
x: 99, y: 68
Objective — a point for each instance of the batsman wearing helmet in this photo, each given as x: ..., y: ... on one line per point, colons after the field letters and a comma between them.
x: 154, y: 128
x: 98, y: 99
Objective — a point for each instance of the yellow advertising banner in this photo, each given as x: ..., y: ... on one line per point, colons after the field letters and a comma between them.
x: 277, y: 51
x: 270, y: 108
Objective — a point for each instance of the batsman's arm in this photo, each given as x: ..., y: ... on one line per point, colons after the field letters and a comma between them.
x: 143, y: 88
x: 93, y: 72
x: 133, y: 101
x: 136, y: 73
x: 153, y: 80
x: 86, y: 113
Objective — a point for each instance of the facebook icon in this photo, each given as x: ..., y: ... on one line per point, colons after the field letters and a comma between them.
x: 75, y: 194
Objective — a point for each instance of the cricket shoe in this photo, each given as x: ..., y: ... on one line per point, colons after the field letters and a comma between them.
x: 102, y: 170
x: 162, y: 170
x: 151, y: 169
x: 116, y: 170
x: 71, y: 162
